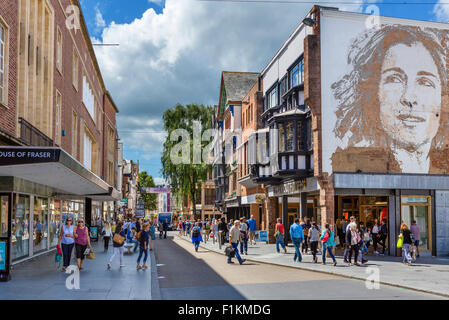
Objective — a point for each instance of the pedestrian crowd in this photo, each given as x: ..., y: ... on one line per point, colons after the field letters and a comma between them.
x: 133, y: 234
x: 307, y: 237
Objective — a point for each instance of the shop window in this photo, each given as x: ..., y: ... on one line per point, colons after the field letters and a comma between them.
x: 20, y: 227
x: 40, y: 224
x: 55, y: 222
x: 4, y: 208
x: 299, y: 135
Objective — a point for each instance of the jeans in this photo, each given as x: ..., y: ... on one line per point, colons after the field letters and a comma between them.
x: 382, y: 243
x: 106, y: 243
x: 329, y: 249
x: 244, y: 245
x: 142, y: 251
x: 119, y: 250
x: 237, y: 255
x: 66, y: 253
x: 354, y: 248
x: 406, y: 248
x: 297, y: 243
x: 314, y: 247
x: 305, y: 245
x: 280, y: 240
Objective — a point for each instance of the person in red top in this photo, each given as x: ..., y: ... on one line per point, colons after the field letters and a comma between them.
x: 279, y: 235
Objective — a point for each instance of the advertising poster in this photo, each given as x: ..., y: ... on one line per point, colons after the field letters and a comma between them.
x: 2, y: 255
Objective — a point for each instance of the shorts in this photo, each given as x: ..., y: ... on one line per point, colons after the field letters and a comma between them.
x: 79, y: 251
x: 252, y: 234
x: 416, y: 243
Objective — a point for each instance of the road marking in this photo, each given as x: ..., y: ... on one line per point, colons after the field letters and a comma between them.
x: 161, y: 277
x: 160, y: 265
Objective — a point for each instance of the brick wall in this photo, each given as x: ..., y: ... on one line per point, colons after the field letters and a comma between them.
x: 9, y: 16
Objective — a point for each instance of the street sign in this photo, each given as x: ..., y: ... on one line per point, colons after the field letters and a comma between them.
x: 125, y: 200
x: 155, y: 190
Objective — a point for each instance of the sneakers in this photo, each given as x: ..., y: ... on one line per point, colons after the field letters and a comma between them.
x: 243, y: 260
x: 144, y: 266
x: 139, y: 267
x: 335, y: 263
x: 109, y: 266
x: 230, y: 262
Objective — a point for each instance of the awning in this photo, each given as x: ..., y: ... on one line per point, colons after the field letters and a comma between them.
x: 54, y: 167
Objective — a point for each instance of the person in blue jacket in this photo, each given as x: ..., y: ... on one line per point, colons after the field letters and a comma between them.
x: 196, y: 236
x: 297, y: 236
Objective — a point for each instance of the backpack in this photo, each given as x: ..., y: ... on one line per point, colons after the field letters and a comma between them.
x: 207, y: 226
x: 195, y: 232
x: 139, y: 235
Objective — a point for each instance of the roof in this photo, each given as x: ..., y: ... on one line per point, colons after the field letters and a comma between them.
x: 237, y: 84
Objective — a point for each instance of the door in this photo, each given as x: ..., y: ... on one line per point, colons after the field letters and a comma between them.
x: 418, y: 209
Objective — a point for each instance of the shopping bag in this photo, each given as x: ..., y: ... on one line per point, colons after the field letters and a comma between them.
x: 230, y: 252
x: 400, y: 242
x: 337, y: 241
x: 91, y: 255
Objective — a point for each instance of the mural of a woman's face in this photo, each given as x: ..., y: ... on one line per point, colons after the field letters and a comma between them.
x: 409, y: 94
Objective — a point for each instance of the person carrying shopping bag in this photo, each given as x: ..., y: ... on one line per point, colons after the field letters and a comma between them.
x: 405, y: 241
x: 118, y: 242
x: 327, y: 238
x: 67, y: 242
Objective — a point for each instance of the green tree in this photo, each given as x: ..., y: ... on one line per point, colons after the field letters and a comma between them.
x: 186, y: 178
x: 146, y: 181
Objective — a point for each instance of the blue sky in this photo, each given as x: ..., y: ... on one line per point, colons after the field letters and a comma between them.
x: 173, y: 51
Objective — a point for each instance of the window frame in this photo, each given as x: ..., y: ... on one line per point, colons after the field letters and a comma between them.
x: 4, y: 63
x: 59, y: 49
x: 75, y: 69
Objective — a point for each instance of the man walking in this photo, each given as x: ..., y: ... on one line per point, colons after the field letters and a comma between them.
x: 234, y: 239
x: 252, y: 229
x: 165, y: 226
x: 383, y: 235
x: 279, y: 235
x: 348, y: 245
x: 297, y: 235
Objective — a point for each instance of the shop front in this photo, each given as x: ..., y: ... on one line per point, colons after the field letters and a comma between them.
x: 397, y: 199
x: 39, y: 189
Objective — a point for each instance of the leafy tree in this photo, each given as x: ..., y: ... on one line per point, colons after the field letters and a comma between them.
x: 187, y: 177
x: 146, y: 181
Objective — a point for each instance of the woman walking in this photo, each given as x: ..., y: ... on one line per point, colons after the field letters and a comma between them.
x: 152, y: 232
x: 66, y: 242
x: 144, y: 239
x: 406, y: 235
x: 82, y: 242
x: 196, y: 236
x: 352, y: 239
x: 327, y: 238
x: 314, y: 239
x: 107, y: 234
x: 118, y: 241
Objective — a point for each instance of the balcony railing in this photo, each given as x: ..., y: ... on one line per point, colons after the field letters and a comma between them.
x: 32, y: 136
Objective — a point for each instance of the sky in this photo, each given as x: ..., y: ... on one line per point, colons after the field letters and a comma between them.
x: 173, y: 51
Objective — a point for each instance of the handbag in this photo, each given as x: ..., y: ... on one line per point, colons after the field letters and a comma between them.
x: 400, y: 242
x: 230, y: 252
x: 91, y: 255
x: 118, y: 239
x: 277, y: 235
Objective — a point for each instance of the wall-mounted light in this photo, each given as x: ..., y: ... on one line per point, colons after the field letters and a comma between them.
x: 309, y: 22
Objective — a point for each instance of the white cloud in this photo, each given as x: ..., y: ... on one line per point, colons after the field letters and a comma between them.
x: 441, y: 11
x: 158, y: 2
x: 99, y: 21
x: 177, y: 57
x: 159, y: 181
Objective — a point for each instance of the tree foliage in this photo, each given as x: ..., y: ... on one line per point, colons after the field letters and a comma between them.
x: 146, y: 181
x: 185, y: 178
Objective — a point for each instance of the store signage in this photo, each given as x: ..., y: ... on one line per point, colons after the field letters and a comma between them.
x: 2, y: 255
x: 140, y: 209
x: 155, y: 190
x: 125, y: 200
x: 261, y: 236
x: 20, y: 155
x: 291, y: 187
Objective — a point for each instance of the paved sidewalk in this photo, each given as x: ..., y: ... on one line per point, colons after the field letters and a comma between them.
x: 427, y: 275
x: 40, y: 280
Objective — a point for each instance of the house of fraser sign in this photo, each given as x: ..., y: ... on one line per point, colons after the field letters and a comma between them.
x: 291, y: 187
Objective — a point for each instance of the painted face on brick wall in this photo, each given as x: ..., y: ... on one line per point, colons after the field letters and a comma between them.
x: 409, y: 95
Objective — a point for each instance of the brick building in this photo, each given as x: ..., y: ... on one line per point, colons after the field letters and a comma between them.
x: 58, y: 132
x: 354, y: 130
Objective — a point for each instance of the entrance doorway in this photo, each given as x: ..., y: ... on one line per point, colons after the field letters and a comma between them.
x: 418, y: 208
x: 365, y: 209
